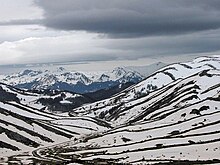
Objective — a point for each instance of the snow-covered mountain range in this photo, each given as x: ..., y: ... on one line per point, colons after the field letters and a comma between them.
x: 80, y: 82
x: 172, y: 116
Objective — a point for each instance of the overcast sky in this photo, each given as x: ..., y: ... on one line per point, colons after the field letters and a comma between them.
x: 36, y: 31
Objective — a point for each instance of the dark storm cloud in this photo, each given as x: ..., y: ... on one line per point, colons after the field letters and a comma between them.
x: 132, y: 18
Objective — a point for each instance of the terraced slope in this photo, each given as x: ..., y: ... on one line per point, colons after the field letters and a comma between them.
x: 23, y: 127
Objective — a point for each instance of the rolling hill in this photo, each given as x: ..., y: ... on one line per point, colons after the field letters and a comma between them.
x: 171, y: 117
x: 24, y: 126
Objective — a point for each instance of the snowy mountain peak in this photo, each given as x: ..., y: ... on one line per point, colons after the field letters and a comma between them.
x: 104, y: 77
x: 29, y: 72
x: 119, y: 71
x: 61, y: 69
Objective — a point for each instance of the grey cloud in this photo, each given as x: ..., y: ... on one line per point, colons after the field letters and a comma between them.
x: 175, y: 45
x: 71, y: 48
x: 132, y: 18
x: 21, y: 22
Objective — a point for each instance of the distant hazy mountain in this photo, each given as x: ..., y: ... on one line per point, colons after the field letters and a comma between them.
x: 148, y: 69
x: 80, y: 82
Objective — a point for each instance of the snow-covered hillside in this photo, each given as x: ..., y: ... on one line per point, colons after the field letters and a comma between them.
x: 174, y: 72
x: 46, y: 100
x: 170, y: 117
x: 24, y: 126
